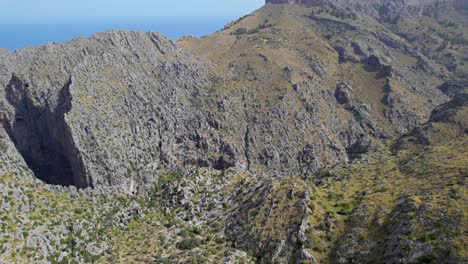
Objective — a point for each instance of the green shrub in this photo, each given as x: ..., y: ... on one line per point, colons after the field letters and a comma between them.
x: 154, y: 192
x: 189, y: 243
x: 427, y: 259
x: 448, y: 23
x: 459, y: 40
x: 196, y: 230
x: 240, y: 31
x: 343, y: 14
x: 344, y: 208
x: 261, y: 26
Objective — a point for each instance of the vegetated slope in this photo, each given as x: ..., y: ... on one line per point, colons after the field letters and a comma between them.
x: 328, y: 83
x: 405, y: 202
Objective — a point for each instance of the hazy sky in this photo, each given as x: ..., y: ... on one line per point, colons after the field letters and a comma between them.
x: 59, y: 10
x: 36, y: 22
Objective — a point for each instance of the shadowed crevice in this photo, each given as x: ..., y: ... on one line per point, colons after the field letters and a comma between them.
x: 42, y: 136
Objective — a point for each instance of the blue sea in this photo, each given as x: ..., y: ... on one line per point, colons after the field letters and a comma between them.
x: 20, y: 35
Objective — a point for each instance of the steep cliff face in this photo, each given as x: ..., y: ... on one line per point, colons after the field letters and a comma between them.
x: 106, y: 110
x: 286, y: 91
x: 43, y: 137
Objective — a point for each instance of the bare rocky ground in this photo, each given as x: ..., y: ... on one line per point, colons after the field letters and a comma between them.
x: 326, y: 132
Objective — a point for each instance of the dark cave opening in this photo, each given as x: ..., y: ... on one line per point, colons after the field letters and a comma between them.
x: 42, y: 137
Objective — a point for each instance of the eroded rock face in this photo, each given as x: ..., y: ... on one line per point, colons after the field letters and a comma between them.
x: 107, y: 110
x: 449, y: 120
x: 389, y: 11
x: 116, y: 108
x: 454, y: 87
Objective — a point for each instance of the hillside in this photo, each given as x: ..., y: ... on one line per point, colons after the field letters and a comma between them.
x: 403, y: 203
x: 318, y: 131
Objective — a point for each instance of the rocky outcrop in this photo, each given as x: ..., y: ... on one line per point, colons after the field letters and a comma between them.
x: 449, y: 120
x: 454, y: 87
x: 387, y: 11
x: 343, y: 93
x: 106, y: 110
x: 118, y: 107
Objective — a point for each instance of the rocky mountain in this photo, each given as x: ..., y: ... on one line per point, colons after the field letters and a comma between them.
x: 104, y: 110
x: 321, y: 131
x: 403, y: 203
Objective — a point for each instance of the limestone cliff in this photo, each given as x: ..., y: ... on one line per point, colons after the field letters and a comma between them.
x: 105, y: 110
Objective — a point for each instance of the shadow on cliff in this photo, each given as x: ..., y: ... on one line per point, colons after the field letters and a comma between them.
x: 42, y: 136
